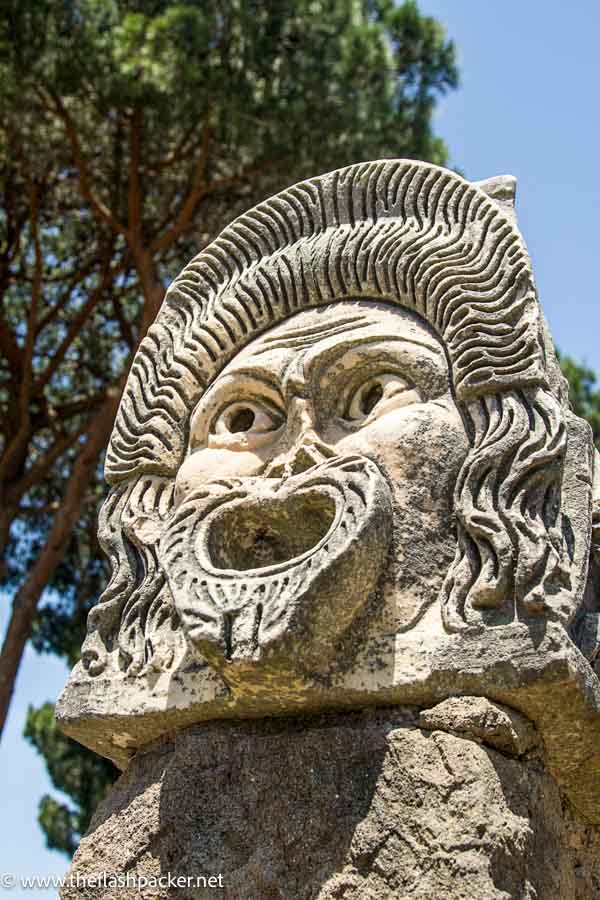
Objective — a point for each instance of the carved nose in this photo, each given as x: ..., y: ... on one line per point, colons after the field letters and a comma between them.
x: 308, y: 452
x: 307, y: 448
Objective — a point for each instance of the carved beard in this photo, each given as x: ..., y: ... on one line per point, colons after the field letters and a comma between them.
x: 274, y: 570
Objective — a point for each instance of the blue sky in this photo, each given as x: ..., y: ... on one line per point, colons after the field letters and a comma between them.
x: 528, y: 106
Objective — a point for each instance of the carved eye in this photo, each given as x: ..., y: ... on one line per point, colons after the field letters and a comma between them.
x: 245, y: 417
x: 379, y: 395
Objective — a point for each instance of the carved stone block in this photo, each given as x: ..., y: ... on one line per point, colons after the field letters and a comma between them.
x: 354, y: 806
x: 344, y: 473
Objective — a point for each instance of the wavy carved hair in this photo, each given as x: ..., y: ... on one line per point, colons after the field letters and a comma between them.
x: 404, y: 232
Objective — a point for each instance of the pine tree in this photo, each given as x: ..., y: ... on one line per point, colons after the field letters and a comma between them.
x: 131, y: 131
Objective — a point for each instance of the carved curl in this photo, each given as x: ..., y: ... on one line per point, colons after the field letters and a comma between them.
x: 396, y: 231
x: 507, y: 501
x: 403, y: 232
x: 135, y: 614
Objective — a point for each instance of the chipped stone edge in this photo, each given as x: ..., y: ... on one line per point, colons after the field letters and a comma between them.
x: 540, y: 674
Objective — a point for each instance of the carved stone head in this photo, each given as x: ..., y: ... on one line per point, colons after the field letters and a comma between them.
x: 346, y: 434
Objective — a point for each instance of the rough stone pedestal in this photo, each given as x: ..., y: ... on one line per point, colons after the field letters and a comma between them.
x: 355, y: 805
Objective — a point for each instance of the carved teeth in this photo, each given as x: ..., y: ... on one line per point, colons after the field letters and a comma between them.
x: 272, y: 543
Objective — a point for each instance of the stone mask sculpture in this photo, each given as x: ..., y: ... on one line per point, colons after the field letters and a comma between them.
x: 344, y: 470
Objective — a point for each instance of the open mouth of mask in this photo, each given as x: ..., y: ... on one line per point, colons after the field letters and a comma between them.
x: 267, y: 567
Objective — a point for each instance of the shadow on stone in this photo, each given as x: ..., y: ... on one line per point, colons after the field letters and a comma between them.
x: 355, y: 805
x: 273, y: 805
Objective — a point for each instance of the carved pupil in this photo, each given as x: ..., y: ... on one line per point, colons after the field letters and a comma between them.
x: 371, y: 398
x: 242, y: 420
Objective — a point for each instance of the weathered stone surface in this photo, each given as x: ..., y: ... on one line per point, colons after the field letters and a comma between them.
x: 481, y: 720
x: 382, y: 314
x: 539, y: 673
x: 353, y: 806
x: 345, y: 474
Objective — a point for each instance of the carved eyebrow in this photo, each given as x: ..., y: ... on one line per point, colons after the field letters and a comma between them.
x: 304, y: 337
x: 262, y: 377
x: 335, y: 353
x: 300, y: 371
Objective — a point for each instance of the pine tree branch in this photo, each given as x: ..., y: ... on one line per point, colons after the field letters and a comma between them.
x: 54, y: 104
x: 76, y: 278
x: 162, y: 242
x: 74, y: 329
x: 178, y: 154
x: 36, y: 293
x: 27, y: 597
x: 124, y: 326
x: 8, y: 345
x: 134, y: 202
x: 40, y: 469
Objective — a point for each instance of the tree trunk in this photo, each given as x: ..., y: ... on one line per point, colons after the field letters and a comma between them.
x: 27, y: 597
x: 8, y: 514
x: 152, y: 289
